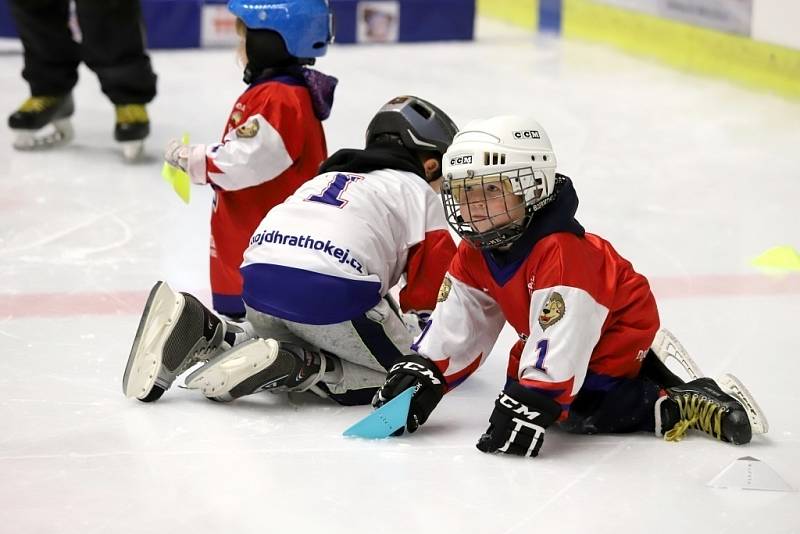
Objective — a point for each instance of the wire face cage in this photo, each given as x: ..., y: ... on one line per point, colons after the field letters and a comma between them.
x: 490, y: 210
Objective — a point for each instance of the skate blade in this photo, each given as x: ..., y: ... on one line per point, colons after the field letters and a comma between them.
x: 734, y: 387
x: 229, y: 369
x: 132, y: 150
x: 667, y: 346
x: 57, y: 133
x: 162, y: 309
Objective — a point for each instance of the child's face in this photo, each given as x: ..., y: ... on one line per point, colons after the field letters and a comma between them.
x: 241, y: 31
x: 489, y: 203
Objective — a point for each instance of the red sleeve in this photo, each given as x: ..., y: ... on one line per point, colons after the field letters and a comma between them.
x: 286, y: 108
x: 425, y: 269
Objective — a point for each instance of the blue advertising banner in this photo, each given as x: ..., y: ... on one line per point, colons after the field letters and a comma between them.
x: 195, y: 23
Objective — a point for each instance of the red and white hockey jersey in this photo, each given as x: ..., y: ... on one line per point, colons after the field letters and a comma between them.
x: 273, y: 142
x: 341, y: 241
x: 583, y: 315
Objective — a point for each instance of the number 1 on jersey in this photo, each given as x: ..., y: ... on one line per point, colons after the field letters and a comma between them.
x: 332, y: 194
x: 541, y: 349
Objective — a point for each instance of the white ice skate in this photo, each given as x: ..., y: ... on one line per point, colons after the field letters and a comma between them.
x: 175, y: 332
x: 222, y: 374
x: 258, y: 365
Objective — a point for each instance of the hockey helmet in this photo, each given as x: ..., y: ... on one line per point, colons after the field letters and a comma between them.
x: 421, y: 126
x: 512, y: 152
x: 306, y: 26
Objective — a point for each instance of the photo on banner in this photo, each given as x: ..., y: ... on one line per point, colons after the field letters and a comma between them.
x: 218, y: 27
x: 378, y: 22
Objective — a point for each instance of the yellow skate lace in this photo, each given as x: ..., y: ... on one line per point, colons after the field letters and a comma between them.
x: 696, y: 412
x: 131, y: 113
x: 36, y: 104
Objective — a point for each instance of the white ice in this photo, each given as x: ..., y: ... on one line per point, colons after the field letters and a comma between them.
x: 689, y: 177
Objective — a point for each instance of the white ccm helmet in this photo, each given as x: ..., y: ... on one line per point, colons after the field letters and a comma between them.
x: 512, y: 150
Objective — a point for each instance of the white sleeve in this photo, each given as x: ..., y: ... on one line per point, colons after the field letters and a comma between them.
x: 461, y: 331
x: 249, y: 155
x: 565, y: 326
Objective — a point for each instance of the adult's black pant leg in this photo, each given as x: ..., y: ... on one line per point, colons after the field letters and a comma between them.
x: 114, y: 48
x: 51, y: 55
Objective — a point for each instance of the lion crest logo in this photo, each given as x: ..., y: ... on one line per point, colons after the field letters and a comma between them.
x: 444, y: 289
x: 248, y: 129
x: 552, y: 311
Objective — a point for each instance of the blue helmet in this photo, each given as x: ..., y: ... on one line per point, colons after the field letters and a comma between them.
x: 306, y: 26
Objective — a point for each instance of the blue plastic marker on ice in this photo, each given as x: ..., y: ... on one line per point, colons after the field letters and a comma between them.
x: 384, y: 421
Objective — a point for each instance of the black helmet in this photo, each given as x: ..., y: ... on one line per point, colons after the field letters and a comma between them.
x: 421, y: 126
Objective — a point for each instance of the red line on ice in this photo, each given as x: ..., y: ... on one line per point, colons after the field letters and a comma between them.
x: 131, y: 302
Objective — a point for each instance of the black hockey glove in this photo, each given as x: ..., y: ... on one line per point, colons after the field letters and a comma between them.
x: 420, y: 373
x: 518, y: 422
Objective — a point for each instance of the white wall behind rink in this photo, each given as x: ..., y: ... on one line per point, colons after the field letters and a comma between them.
x: 777, y: 22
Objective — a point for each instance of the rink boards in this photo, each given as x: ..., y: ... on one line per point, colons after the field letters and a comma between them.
x: 199, y: 23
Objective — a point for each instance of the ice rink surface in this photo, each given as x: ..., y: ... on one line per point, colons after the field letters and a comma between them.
x: 689, y: 177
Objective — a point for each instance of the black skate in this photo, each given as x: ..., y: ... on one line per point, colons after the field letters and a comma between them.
x: 258, y: 365
x: 132, y: 127
x: 175, y: 332
x: 667, y: 347
x: 43, y: 122
x: 702, y: 405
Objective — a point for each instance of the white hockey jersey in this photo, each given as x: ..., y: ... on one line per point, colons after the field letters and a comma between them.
x: 341, y: 241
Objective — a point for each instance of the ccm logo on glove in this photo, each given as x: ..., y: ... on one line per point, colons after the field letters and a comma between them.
x: 416, y: 368
x: 517, y: 407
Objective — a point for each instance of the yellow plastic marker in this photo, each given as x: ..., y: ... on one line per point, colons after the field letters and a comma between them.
x: 782, y: 258
x: 179, y: 179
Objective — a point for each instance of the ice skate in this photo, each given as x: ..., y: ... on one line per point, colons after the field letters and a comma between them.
x: 131, y: 129
x: 175, y: 332
x: 702, y: 405
x: 734, y: 387
x: 258, y: 365
x: 666, y: 346
x: 43, y: 122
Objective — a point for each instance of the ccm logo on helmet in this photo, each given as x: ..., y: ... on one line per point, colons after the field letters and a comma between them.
x: 527, y: 134
x: 461, y: 160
